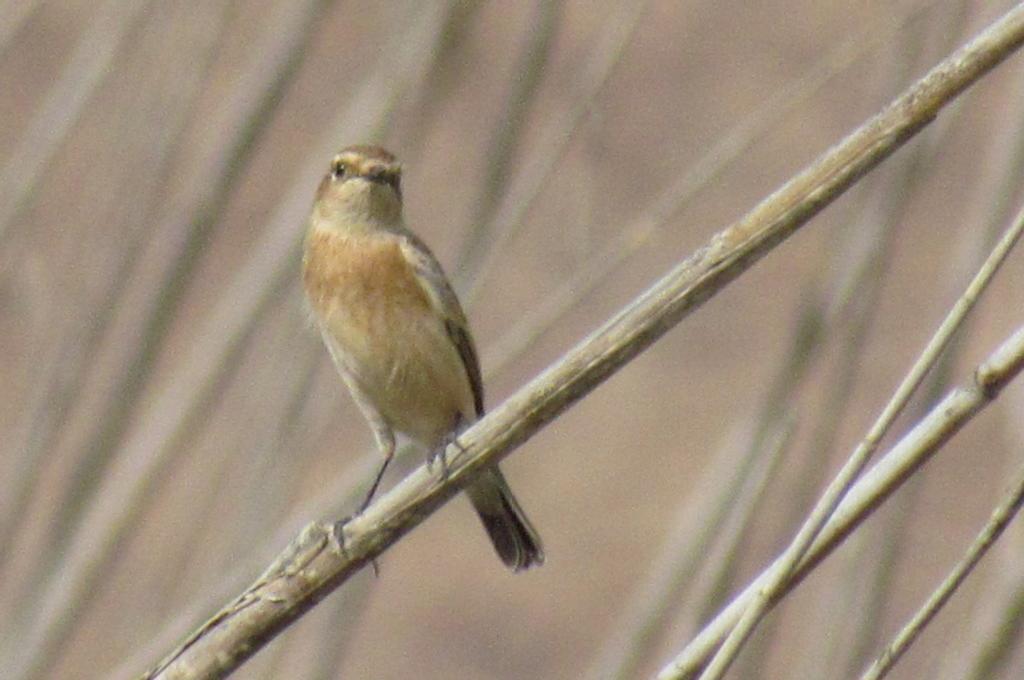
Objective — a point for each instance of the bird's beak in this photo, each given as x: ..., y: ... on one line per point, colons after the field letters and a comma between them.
x: 376, y: 174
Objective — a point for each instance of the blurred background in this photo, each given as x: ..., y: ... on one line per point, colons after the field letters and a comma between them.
x: 169, y: 420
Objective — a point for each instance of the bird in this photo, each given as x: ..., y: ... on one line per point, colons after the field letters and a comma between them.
x: 397, y: 333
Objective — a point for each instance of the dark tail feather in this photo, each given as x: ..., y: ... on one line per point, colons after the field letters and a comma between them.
x: 513, y: 536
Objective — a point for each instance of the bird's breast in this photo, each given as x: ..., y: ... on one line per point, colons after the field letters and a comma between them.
x: 367, y: 298
x: 362, y: 274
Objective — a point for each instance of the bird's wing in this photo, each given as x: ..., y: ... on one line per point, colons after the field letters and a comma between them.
x: 435, y: 284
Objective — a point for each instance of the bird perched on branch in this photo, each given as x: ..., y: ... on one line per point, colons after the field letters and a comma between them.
x: 397, y: 333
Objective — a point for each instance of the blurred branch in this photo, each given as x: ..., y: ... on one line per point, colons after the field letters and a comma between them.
x: 1001, y: 516
x: 833, y: 495
x: 149, y: 283
x: 994, y: 628
x: 856, y: 463
x: 723, y: 493
x: 741, y: 511
x: 62, y: 414
x: 553, y: 139
x: 14, y: 15
x: 527, y: 75
x: 943, y: 421
x: 188, y: 395
x: 89, y: 64
x: 161, y: 275
x: 642, y: 230
x: 439, y: 85
x: 61, y: 358
x: 315, y: 563
x: 861, y: 587
x: 242, y: 500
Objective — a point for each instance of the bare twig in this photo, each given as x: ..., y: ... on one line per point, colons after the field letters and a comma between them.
x: 994, y: 629
x: 859, y: 458
x: 344, y: 494
x: 860, y: 294
x: 942, y: 422
x: 1001, y: 516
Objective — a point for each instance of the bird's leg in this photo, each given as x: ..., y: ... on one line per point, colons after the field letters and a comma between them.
x: 386, y: 444
x: 382, y: 432
x: 439, y: 453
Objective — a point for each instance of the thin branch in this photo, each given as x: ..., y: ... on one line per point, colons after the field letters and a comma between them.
x: 915, y: 449
x: 842, y: 482
x: 317, y: 562
x: 1001, y: 516
x: 861, y: 290
x: 722, y: 555
x: 725, y: 491
x: 344, y: 493
x: 994, y: 628
x: 642, y: 230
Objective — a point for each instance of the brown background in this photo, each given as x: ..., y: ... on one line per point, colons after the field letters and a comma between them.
x: 605, y: 481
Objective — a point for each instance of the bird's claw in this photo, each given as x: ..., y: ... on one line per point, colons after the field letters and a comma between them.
x: 341, y: 542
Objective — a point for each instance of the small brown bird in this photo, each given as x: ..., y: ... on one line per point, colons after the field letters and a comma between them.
x: 397, y: 333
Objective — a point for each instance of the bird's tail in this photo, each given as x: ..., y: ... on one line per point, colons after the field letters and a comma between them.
x: 513, y: 536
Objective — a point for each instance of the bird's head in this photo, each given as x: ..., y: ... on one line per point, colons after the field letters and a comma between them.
x: 363, y: 185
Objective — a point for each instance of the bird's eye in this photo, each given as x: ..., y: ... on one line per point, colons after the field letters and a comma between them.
x: 338, y: 170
